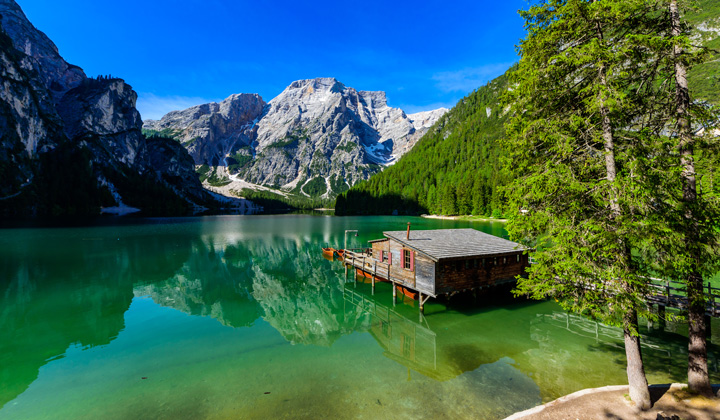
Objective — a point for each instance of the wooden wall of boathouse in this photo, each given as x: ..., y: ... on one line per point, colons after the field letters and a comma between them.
x: 421, y: 277
x: 473, y: 273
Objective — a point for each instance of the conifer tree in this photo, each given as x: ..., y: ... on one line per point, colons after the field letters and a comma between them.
x: 688, y: 252
x: 584, y: 180
x: 698, y: 379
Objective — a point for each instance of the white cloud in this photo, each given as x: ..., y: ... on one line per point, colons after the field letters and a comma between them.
x: 153, y: 107
x: 469, y: 79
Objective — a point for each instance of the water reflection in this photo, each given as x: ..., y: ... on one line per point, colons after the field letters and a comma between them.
x: 57, y: 292
x: 284, y: 314
x: 214, y: 281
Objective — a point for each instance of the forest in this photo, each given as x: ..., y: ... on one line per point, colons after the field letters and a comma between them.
x: 454, y: 169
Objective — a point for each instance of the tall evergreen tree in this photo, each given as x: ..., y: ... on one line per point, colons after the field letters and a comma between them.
x: 586, y: 174
x: 695, y: 252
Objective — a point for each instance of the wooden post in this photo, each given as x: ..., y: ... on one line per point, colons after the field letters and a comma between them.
x: 661, y: 316
x: 667, y: 292
x: 650, y: 323
x: 708, y: 325
x: 420, y: 300
x: 711, y: 299
x: 394, y: 293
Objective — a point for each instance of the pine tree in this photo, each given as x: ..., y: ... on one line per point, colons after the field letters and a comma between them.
x: 586, y: 173
x: 695, y: 250
x: 448, y: 199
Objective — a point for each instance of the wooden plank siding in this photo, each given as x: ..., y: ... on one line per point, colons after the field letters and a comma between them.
x: 398, y: 271
x: 466, y: 274
x: 421, y: 278
x: 425, y: 274
x: 378, y: 247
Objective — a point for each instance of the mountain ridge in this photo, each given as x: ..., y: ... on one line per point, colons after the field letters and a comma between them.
x: 316, y: 138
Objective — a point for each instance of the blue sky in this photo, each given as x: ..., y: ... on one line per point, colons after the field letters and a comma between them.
x: 179, y: 53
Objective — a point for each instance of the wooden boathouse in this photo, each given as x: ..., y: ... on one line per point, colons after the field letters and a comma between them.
x: 432, y: 263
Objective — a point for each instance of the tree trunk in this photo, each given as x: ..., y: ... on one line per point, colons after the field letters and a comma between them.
x: 639, y: 391
x: 698, y: 379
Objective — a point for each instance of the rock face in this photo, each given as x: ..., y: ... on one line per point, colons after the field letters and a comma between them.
x: 211, y: 131
x: 50, y: 110
x: 28, y: 122
x: 317, y: 138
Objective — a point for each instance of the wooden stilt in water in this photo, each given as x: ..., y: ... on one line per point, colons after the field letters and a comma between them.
x: 422, y: 301
x: 394, y: 293
x: 373, y: 276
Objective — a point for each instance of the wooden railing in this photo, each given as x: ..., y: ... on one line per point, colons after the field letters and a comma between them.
x: 665, y: 293
x: 362, y: 258
x: 673, y: 294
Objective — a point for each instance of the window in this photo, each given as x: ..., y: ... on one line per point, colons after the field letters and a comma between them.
x: 518, y: 257
x: 385, y: 256
x: 408, y: 259
x: 467, y: 264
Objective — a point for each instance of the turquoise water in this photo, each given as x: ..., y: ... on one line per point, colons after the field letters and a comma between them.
x: 241, y: 317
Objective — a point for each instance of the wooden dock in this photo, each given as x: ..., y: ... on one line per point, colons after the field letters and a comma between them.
x: 670, y: 294
x: 362, y: 259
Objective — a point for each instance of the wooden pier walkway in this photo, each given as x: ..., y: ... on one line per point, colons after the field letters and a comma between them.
x: 362, y: 259
x: 670, y: 294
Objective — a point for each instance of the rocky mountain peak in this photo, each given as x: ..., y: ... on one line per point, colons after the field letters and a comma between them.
x: 57, y: 74
x: 316, y: 138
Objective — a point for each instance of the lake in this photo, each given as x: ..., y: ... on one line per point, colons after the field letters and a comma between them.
x: 241, y: 317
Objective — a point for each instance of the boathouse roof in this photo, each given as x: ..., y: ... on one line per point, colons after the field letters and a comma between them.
x: 442, y: 244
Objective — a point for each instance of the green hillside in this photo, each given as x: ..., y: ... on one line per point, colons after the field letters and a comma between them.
x: 455, y: 168
x: 705, y: 78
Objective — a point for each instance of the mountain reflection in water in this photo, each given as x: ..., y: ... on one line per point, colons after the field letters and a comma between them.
x: 220, y: 310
